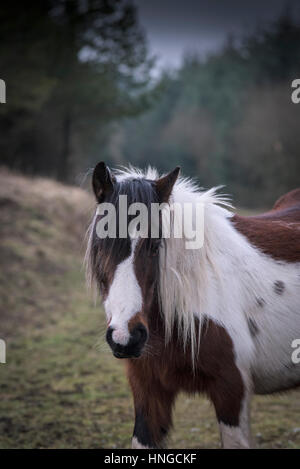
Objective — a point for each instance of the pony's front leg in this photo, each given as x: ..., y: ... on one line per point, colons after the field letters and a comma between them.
x: 153, y: 418
x: 236, y: 437
x: 233, y: 414
x: 153, y: 411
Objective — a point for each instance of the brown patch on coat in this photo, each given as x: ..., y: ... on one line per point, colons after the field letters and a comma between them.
x: 157, y: 378
x: 138, y: 318
x: 277, y: 232
x: 288, y: 200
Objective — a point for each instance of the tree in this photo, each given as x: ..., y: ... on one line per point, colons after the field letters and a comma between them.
x: 89, y: 67
x: 228, y: 118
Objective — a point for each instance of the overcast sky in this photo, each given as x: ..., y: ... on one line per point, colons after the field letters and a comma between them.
x: 174, y: 27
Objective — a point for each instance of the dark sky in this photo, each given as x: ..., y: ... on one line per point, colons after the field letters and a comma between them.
x: 174, y: 27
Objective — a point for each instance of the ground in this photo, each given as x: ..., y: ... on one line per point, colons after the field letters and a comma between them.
x: 61, y: 387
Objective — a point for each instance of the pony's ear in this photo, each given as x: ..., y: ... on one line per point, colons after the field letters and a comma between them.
x: 102, y: 181
x: 165, y: 184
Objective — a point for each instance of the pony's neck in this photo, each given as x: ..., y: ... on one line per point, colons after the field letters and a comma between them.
x: 207, y: 281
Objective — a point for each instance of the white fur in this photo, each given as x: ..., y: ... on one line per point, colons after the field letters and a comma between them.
x: 124, y: 299
x: 233, y: 437
x: 136, y: 173
x: 137, y: 445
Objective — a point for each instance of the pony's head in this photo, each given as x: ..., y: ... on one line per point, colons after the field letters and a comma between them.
x: 126, y: 268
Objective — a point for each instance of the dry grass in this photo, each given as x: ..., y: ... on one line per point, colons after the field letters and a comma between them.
x: 61, y: 387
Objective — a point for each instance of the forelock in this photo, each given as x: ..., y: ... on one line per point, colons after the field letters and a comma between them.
x: 103, y: 254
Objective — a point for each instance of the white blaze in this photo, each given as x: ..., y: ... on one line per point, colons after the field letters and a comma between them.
x: 124, y: 299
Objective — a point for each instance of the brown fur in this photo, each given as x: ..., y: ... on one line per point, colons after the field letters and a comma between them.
x: 138, y: 318
x: 290, y: 199
x: 163, y: 371
x: 277, y: 232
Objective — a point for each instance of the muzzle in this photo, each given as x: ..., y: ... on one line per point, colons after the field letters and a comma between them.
x: 134, y: 347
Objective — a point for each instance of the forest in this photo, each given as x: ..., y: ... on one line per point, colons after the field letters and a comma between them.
x: 80, y: 89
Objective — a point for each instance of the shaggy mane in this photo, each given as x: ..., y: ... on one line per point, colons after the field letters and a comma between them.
x: 183, y: 273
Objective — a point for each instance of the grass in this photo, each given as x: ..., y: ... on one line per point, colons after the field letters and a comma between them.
x: 61, y: 387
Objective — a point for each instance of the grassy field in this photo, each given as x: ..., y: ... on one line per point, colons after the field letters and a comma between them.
x: 61, y: 387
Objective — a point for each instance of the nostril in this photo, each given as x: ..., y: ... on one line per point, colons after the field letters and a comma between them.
x: 116, y: 337
x: 144, y: 333
x: 125, y: 344
x: 139, y: 334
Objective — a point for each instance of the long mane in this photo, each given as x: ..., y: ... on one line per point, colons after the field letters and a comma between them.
x: 183, y: 273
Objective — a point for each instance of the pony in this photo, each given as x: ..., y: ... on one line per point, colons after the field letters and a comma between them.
x: 219, y: 320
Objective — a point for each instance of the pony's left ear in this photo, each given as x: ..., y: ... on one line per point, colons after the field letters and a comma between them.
x: 165, y: 184
x: 102, y: 181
